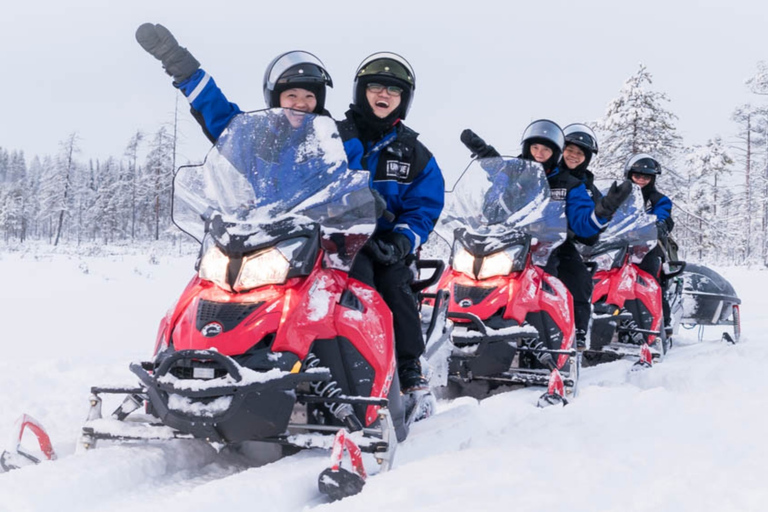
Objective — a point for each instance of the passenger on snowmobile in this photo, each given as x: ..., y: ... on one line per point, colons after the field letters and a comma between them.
x: 406, y: 175
x: 642, y: 169
x: 580, y: 146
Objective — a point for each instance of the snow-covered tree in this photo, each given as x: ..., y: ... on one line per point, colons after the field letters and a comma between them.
x: 758, y: 83
x: 636, y: 122
x: 157, y: 182
x: 132, y: 154
x: 699, y: 229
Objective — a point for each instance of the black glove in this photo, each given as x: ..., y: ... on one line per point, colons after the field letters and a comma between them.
x: 381, y: 206
x: 611, y: 201
x: 477, y: 145
x: 160, y: 43
x: 388, y: 248
x: 662, y: 230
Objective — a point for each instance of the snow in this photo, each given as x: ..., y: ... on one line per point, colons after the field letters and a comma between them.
x: 688, y: 434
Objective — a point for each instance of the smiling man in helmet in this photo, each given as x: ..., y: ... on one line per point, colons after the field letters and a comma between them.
x: 406, y: 175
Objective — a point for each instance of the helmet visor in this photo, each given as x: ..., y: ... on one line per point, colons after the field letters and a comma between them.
x: 643, y: 164
x: 387, y: 65
x: 297, y: 67
x: 545, y: 129
x: 581, y: 135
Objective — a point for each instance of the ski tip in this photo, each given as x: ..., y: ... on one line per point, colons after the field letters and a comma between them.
x: 339, y: 483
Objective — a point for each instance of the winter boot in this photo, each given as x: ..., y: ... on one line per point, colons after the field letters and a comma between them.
x: 581, y: 339
x: 411, y: 378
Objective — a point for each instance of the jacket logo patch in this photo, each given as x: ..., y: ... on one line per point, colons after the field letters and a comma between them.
x: 558, y: 194
x: 648, y: 206
x: 398, y: 169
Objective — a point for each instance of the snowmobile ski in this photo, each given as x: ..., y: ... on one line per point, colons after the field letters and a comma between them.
x: 555, y: 394
x: 18, y: 456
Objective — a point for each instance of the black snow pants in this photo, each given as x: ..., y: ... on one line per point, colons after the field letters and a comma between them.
x: 393, y: 282
x: 652, y: 264
x: 566, y: 264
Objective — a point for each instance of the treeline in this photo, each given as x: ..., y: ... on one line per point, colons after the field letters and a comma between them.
x: 65, y: 199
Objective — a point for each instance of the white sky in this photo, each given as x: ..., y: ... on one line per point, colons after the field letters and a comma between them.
x: 493, y: 66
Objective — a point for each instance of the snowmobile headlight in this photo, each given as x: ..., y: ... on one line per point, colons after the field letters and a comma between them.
x: 463, y: 261
x: 266, y: 267
x: 213, y: 267
x: 502, y: 263
x: 606, y: 260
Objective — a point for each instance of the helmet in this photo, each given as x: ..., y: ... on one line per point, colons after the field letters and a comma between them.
x: 642, y: 163
x: 581, y: 135
x: 385, y: 68
x: 548, y: 133
x: 296, y: 69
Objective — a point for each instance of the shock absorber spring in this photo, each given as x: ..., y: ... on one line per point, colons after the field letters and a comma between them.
x: 539, y: 351
x: 330, y: 389
x: 631, y: 330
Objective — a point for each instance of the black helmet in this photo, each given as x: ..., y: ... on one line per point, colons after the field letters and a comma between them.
x: 548, y: 133
x: 581, y: 135
x: 296, y: 69
x: 642, y: 163
x: 385, y: 68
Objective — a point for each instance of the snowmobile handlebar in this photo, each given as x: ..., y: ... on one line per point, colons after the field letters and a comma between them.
x: 676, y: 268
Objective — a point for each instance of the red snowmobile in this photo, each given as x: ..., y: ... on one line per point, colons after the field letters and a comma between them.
x: 271, y: 340
x: 627, y: 310
x: 513, y: 323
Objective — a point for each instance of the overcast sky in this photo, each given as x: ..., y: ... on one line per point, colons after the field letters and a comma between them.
x: 74, y: 65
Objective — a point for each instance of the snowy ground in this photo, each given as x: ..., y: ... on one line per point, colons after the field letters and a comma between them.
x: 687, y: 435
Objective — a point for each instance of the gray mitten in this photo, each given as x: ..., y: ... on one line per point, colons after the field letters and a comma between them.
x: 160, y: 43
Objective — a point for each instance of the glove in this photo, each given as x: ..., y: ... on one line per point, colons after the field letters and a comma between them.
x: 381, y: 206
x: 160, y: 43
x: 611, y: 201
x: 477, y: 145
x: 389, y: 248
x: 662, y: 229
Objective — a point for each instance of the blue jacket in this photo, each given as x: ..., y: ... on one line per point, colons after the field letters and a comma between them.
x: 658, y: 204
x: 406, y: 175
x: 579, y: 206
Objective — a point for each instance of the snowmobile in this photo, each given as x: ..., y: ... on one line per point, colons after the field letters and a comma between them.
x: 708, y: 299
x: 627, y: 309
x: 271, y: 340
x: 512, y: 322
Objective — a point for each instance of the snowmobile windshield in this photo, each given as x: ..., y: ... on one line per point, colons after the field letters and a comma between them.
x: 274, y: 174
x: 630, y: 227
x: 498, y: 200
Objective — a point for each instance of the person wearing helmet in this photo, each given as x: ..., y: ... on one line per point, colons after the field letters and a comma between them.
x: 580, y: 146
x: 642, y: 169
x: 406, y: 175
